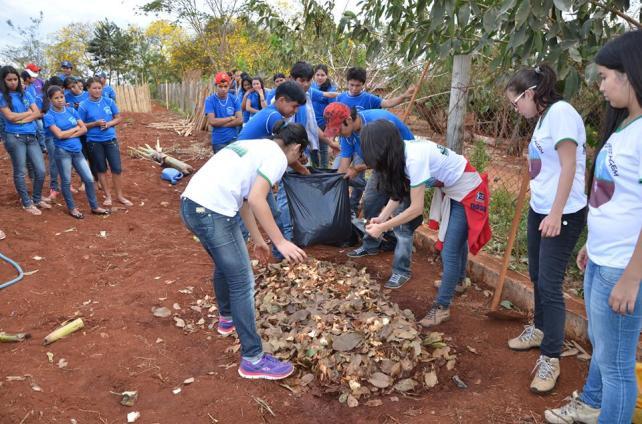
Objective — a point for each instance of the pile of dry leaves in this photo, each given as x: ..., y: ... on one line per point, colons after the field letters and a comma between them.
x: 343, y: 332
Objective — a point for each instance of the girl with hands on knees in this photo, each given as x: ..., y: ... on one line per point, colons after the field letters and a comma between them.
x: 612, y: 256
x: 237, y: 181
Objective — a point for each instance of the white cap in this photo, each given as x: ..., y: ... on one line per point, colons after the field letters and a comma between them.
x: 31, y: 73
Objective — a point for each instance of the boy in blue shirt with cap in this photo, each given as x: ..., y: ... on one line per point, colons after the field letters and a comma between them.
x: 223, y: 113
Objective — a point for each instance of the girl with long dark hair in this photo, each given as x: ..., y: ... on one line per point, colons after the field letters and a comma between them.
x: 245, y: 91
x: 19, y: 111
x: 612, y: 257
x: 237, y: 181
x: 460, y: 202
x: 256, y: 99
x: 322, y: 82
x: 557, y: 163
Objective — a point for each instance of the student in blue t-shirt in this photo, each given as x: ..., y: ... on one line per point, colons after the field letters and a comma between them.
x: 101, y: 115
x: 278, y: 79
x: 322, y: 82
x: 43, y: 105
x: 76, y: 94
x: 223, y: 113
x: 257, y: 98
x: 360, y: 99
x: 28, y: 79
x: 347, y: 123
x: 66, y: 127
x: 246, y: 90
x: 108, y: 91
x: 19, y: 111
x: 66, y: 68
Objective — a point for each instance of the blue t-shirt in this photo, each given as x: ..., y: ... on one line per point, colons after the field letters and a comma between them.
x: 269, y: 95
x: 31, y: 89
x: 351, y: 145
x: 94, y: 110
x: 363, y: 101
x: 239, y: 102
x: 109, y: 92
x: 73, y: 99
x: 20, y: 103
x: 261, y: 124
x: 222, y: 109
x: 320, y: 104
x: 255, y: 101
x: 65, y: 120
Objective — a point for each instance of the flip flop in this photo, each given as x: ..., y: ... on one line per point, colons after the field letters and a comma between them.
x: 125, y: 202
x: 97, y: 212
x: 2, y: 235
x: 77, y: 214
x: 107, y: 202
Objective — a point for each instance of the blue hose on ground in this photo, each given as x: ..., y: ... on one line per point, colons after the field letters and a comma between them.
x: 17, y: 267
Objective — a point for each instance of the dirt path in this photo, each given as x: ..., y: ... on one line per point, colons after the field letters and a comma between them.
x: 146, y: 257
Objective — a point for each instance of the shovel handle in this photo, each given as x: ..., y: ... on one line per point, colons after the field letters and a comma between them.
x: 519, y: 206
x: 411, y: 103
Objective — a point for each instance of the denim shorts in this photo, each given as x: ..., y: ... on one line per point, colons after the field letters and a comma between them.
x: 105, y: 152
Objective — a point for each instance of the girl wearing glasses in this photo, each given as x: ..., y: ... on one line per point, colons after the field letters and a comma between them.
x: 557, y: 161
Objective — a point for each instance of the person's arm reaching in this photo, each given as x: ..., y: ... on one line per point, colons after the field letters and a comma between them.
x: 415, y: 209
x: 395, y: 101
x: 261, y: 249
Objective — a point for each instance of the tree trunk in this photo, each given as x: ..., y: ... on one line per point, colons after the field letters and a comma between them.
x: 458, y: 100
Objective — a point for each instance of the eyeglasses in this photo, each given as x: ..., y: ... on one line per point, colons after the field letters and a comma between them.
x: 517, y: 99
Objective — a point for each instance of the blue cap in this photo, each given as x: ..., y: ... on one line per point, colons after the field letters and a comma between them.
x: 66, y: 64
x: 101, y: 75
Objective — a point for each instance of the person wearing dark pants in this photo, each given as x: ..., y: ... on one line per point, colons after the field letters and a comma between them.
x: 557, y: 163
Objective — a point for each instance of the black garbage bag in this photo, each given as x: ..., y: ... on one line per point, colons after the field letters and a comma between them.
x: 319, y: 207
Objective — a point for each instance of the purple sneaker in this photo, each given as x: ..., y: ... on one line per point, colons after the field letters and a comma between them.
x: 225, y: 327
x: 268, y: 367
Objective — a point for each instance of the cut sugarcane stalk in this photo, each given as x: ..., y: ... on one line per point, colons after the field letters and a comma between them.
x: 64, y: 331
x: 157, y: 155
x: 12, y: 338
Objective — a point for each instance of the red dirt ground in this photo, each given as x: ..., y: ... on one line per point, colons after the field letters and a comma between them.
x: 148, y: 255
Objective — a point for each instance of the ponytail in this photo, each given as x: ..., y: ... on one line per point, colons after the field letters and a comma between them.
x: 290, y: 133
x: 543, y: 78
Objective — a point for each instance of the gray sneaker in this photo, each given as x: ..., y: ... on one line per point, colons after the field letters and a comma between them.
x: 396, y: 281
x: 530, y: 337
x: 574, y: 411
x: 435, y: 316
x: 362, y: 251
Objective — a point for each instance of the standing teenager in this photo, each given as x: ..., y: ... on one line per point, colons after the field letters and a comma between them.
x: 223, y: 113
x: 243, y: 94
x: 76, y: 94
x: 257, y: 99
x: 66, y: 127
x: 236, y: 182
x: 406, y: 169
x: 101, y: 115
x: 557, y: 164
x: 277, y: 79
x: 19, y: 111
x: 612, y: 257
x: 108, y: 90
x: 323, y: 83
x: 357, y: 97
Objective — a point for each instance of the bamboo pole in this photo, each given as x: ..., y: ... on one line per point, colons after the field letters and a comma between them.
x: 408, y: 110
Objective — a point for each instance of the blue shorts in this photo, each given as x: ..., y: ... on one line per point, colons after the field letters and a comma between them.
x: 105, y: 152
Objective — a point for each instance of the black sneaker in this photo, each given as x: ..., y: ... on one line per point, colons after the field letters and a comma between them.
x: 362, y: 251
x: 396, y: 281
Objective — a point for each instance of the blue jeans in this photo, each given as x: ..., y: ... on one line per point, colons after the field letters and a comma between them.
x: 65, y: 160
x: 233, y: 278
x: 20, y: 147
x: 373, y: 202
x: 40, y: 133
x: 53, y: 167
x: 454, y: 254
x: 402, y: 257
x: 105, y: 152
x: 611, y: 384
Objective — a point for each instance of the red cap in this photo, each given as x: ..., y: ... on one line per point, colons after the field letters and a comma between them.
x: 33, y: 68
x: 334, y: 115
x: 221, y: 77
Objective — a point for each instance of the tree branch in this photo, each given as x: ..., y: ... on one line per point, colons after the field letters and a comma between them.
x: 622, y: 15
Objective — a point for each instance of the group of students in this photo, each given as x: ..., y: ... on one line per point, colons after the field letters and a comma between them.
x: 70, y: 120
x: 286, y: 133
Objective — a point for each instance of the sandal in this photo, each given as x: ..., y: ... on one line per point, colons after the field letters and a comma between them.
x: 125, y: 201
x: 100, y: 211
x: 43, y: 205
x: 107, y: 202
x: 33, y: 210
x: 76, y: 214
x: 2, y: 235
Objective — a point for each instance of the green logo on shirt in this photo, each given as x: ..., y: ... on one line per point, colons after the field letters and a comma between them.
x: 238, y: 149
x: 442, y: 150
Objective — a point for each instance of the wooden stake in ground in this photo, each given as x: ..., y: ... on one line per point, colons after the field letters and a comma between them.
x: 408, y: 110
x: 521, y: 198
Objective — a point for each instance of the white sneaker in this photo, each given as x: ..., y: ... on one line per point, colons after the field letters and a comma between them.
x: 548, y: 370
x: 530, y: 337
x: 574, y: 411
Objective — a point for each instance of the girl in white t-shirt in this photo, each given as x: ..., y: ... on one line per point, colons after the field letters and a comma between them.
x: 236, y: 181
x: 406, y: 169
x: 612, y: 257
x: 556, y: 161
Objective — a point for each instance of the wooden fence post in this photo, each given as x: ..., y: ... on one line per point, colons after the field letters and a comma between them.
x: 458, y: 99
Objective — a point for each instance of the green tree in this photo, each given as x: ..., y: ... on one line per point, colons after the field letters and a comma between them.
x: 28, y: 45
x: 110, y: 48
x: 70, y: 43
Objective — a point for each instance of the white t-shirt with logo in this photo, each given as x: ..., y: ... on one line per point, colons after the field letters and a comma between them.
x: 560, y: 122
x: 615, y: 201
x: 431, y: 164
x: 226, y: 179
